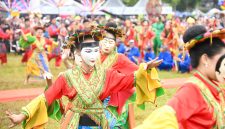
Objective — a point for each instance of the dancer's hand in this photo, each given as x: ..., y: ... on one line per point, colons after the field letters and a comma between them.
x: 47, y: 75
x: 153, y: 63
x: 14, y: 118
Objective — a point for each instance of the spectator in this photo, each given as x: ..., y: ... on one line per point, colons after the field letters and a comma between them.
x: 167, y: 63
x: 149, y: 55
x: 121, y: 48
x: 133, y: 52
x: 183, y: 61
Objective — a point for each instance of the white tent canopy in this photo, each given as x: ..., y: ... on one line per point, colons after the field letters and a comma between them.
x: 166, y: 9
x: 71, y: 7
x: 138, y: 8
x: 213, y: 11
x: 117, y: 7
x: 113, y: 6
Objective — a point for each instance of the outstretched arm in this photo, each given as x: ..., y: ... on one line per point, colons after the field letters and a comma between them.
x: 15, y: 119
x: 118, y: 82
x: 35, y: 113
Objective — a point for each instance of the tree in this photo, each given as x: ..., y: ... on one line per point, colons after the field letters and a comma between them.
x: 173, y: 3
x: 182, y: 5
x: 130, y: 2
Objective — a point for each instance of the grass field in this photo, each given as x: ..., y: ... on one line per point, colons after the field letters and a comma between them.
x: 12, y: 76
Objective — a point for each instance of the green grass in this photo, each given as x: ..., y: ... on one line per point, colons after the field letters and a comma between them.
x: 173, y: 74
x: 12, y: 76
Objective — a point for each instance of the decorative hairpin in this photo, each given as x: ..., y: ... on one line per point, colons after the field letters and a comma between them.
x: 220, y: 33
x: 117, y: 31
x: 94, y: 32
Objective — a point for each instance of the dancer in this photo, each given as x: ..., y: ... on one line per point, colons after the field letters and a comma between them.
x: 157, y: 27
x: 37, y: 65
x: 86, y: 86
x: 199, y: 103
x: 28, y: 51
x: 53, y: 31
x: 111, y: 59
x: 3, y: 36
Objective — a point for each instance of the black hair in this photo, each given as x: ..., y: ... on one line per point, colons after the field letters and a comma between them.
x: 218, y: 64
x: 205, y: 47
x: 26, y: 19
x: 85, y: 20
x: 6, y: 27
x: 113, y: 25
x: 79, y: 40
x: 77, y: 45
x: 193, y: 32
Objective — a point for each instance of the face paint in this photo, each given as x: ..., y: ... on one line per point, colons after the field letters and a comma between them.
x: 220, y: 69
x: 107, y: 45
x: 89, y: 55
x: 78, y: 59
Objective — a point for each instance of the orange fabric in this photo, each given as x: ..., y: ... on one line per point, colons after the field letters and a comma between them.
x: 4, y: 35
x: 191, y: 109
x: 53, y: 30
x: 3, y: 58
x: 103, y: 57
x: 58, y: 59
x: 25, y: 30
x: 114, y: 83
x: 27, y: 55
x: 125, y: 66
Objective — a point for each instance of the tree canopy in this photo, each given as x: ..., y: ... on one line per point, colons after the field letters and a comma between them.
x: 130, y: 2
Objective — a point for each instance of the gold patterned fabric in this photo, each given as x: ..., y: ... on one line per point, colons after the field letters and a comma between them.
x: 219, y: 108
x: 86, y: 100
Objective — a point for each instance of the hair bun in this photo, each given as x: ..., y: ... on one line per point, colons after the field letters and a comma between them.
x: 193, y: 32
x: 111, y: 24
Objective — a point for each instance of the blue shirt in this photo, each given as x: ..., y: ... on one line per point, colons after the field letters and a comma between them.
x: 166, y: 56
x: 186, y: 63
x: 46, y: 34
x: 121, y: 48
x: 134, y: 51
x: 167, y: 63
x: 149, y: 56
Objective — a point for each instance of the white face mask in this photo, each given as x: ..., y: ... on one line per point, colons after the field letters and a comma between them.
x: 107, y: 45
x: 78, y: 60
x: 89, y: 55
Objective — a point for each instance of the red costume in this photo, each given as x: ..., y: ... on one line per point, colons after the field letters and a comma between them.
x: 194, y: 112
x: 55, y: 53
x: 28, y: 50
x: 3, y: 51
x: 123, y: 65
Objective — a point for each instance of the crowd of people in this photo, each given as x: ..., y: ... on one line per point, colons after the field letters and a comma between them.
x: 101, y: 82
x: 143, y: 41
